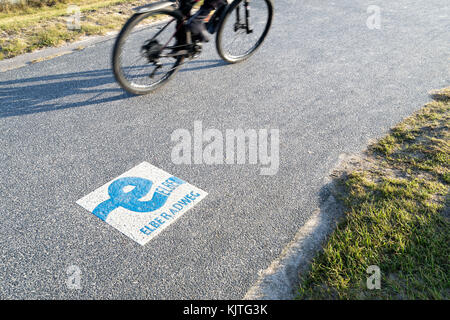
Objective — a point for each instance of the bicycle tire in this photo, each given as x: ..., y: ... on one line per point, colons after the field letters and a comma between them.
x: 219, y: 36
x: 124, y: 33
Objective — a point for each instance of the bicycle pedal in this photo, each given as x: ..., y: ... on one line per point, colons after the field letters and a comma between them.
x: 198, y: 46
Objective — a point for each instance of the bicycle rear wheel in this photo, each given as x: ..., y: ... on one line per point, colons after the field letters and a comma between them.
x: 243, y: 29
x: 143, y: 57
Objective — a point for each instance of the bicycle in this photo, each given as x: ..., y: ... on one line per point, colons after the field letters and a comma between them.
x: 145, y: 56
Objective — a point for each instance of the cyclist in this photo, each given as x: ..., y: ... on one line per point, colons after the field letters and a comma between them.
x: 196, y: 23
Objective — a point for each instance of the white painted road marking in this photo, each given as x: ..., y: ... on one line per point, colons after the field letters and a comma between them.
x: 142, y: 202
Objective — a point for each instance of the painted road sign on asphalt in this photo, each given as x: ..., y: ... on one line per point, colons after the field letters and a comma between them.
x: 142, y: 202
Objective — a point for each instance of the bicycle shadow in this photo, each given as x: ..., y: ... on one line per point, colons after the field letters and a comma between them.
x: 55, y: 92
x: 69, y: 90
x: 216, y: 64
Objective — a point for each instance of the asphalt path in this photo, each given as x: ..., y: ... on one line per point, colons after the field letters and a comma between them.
x: 323, y: 78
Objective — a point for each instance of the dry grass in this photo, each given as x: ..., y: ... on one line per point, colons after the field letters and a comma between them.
x: 20, y: 6
x: 27, y: 27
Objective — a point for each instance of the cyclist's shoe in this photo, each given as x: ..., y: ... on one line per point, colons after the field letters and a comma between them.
x: 214, y: 21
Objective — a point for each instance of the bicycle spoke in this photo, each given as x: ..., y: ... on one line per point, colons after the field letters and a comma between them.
x: 143, y: 59
x: 244, y: 29
x: 132, y: 66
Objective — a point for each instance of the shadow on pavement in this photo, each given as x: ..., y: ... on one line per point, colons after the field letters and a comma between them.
x: 69, y: 90
x: 55, y: 92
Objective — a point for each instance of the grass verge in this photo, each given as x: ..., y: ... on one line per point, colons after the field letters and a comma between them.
x: 397, y: 216
x: 38, y: 24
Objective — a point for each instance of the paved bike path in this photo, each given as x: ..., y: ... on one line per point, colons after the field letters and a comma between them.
x: 323, y: 78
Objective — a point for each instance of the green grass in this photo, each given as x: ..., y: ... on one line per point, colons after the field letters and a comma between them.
x: 37, y: 24
x: 395, y: 217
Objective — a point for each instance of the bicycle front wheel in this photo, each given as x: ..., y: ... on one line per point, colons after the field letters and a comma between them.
x: 143, y: 57
x: 243, y: 29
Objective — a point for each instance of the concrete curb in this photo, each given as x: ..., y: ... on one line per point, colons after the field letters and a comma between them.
x: 53, y: 52
x: 280, y: 280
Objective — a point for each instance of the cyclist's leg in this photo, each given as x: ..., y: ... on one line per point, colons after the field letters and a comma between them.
x: 197, y: 25
x: 185, y: 8
x: 213, y: 4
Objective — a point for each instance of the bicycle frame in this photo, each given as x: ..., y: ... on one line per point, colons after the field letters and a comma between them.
x: 212, y: 25
x: 185, y: 46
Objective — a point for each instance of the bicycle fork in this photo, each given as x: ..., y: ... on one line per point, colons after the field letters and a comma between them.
x: 238, y: 25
